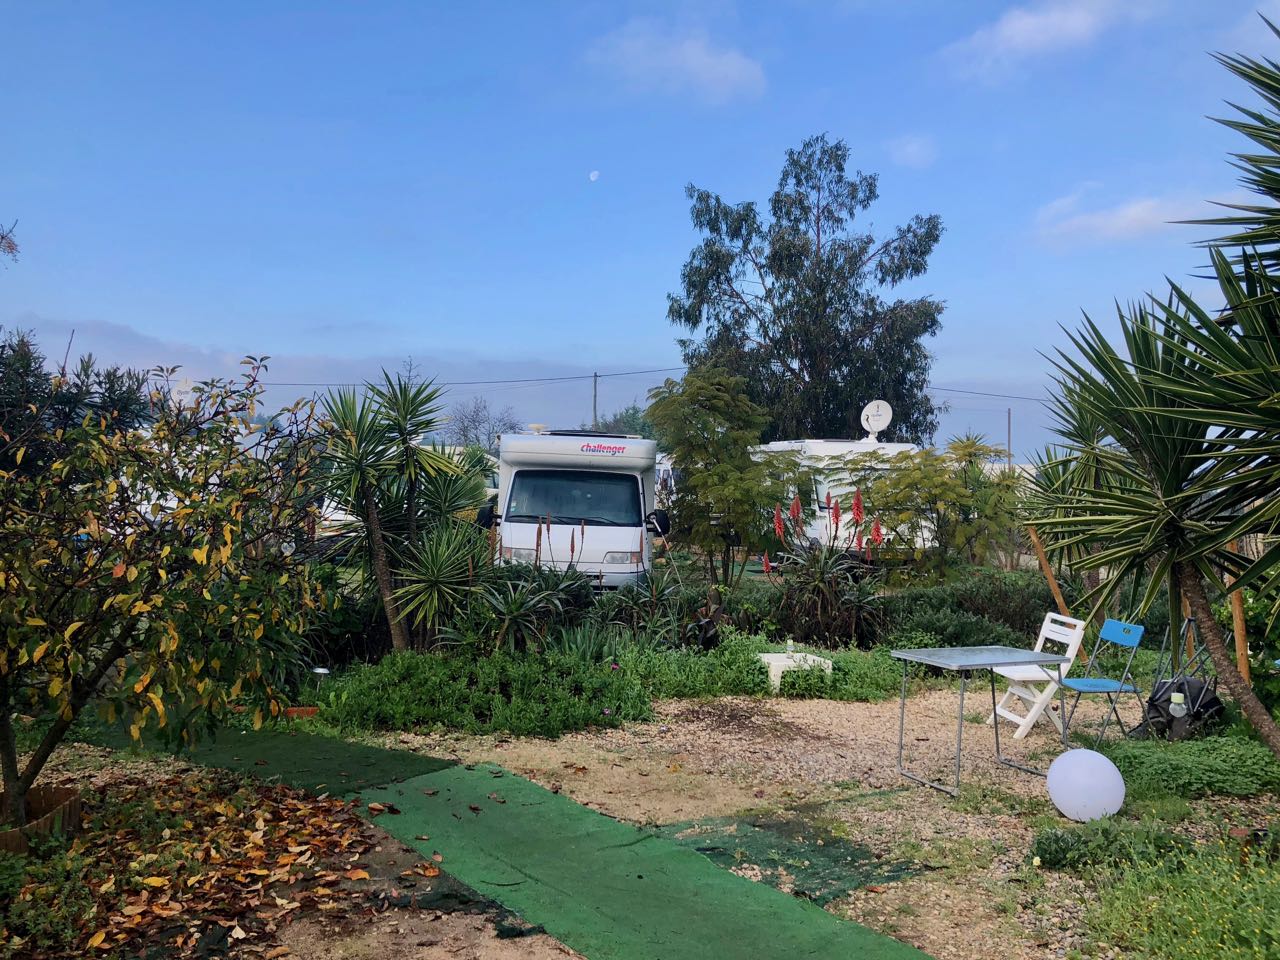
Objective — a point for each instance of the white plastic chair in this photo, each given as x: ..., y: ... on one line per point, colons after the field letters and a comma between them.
x: 1037, y: 686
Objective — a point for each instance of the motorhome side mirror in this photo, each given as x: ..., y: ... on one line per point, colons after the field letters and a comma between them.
x: 484, y: 516
x: 659, y: 522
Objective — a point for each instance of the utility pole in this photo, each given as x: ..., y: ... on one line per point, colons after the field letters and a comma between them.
x: 1008, y: 443
x: 595, y: 397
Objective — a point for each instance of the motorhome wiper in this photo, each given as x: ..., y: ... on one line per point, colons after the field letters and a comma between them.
x: 604, y: 521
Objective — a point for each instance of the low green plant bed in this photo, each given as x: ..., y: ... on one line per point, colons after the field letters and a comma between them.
x: 1216, y: 902
x: 1225, y: 765
x: 520, y: 694
x: 1103, y: 843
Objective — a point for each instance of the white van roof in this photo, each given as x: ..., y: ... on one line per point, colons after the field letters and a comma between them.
x: 834, y: 448
x: 578, y: 450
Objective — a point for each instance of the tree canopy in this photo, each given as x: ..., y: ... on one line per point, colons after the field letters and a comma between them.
x: 795, y: 302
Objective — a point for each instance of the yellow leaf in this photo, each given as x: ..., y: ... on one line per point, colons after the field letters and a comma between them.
x: 131, y: 574
x: 18, y: 457
x: 142, y: 684
x: 357, y: 874
x: 257, y: 719
x: 66, y: 634
x: 159, y: 705
x: 55, y: 686
x: 40, y: 650
x: 163, y: 576
x: 135, y: 731
x: 97, y: 938
x: 154, y: 881
x: 35, y: 622
x: 201, y: 555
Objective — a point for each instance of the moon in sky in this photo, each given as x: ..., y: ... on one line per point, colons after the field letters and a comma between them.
x: 593, y: 176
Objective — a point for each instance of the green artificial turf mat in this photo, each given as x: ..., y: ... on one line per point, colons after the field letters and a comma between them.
x: 606, y: 889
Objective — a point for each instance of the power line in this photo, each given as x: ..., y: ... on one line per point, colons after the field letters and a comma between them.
x: 590, y: 376
x: 476, y: 383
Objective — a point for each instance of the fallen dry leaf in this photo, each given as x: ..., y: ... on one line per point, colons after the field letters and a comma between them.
x: 357, y: 874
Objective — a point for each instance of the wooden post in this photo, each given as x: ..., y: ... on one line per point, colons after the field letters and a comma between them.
x: 1190, y: 634
x: 1048, y: 571
x: 1237, y: 625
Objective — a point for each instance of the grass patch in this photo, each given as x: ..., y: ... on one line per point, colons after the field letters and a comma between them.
x: 1224, y: 765
x: 1211, y: 903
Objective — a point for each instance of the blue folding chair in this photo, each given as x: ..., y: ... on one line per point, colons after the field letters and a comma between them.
x: 1121, y: 636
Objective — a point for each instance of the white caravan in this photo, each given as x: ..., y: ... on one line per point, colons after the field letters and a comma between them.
x: 578, y: 499
x: 823, y: 457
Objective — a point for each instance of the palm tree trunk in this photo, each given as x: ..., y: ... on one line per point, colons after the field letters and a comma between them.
x: 1257, y: 714
x: 382, y: 572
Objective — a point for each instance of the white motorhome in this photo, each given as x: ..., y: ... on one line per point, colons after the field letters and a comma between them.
x: 574, y: 498
x: 823, y: 457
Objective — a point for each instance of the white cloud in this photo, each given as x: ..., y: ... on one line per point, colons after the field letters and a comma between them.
x: 913, y: 150
x: 649, y: 57
x: 1040, y: 28
x: 1063, y: 221
x: 593, y: 176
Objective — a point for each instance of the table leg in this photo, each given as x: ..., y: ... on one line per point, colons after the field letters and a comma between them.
x: 902, y: 722
x: 964, y: 682
x: 1000, y: 758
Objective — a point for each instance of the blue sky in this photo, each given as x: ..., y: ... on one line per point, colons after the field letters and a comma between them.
x: 496, y: 189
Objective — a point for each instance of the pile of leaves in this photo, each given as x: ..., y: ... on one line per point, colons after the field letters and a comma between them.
x: 192, y: 865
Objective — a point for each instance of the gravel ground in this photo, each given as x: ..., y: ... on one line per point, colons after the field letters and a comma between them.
x: 973, y: 898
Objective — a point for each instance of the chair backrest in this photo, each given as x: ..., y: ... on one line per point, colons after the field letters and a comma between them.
x: 1121, y: 634
x: 1066, y: 632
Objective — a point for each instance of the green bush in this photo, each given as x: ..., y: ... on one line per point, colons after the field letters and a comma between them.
x: 812, y: 683
x: 1227, y: 765
x: 990, y: 603
x: 1103, y: 843
x: 869, y: 676
x: 1214, y: 903
x: 956, y: 628
x: 524, y: 695
x: 731, y: 669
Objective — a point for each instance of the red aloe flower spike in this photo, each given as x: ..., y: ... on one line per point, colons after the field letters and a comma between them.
x: 778, y: 528
x: 835, y: 515
x: 796, y: 509
x: 877, y: 535
x: 768, y: 567
x: 573, y: 543
x: 868, y: 553
x: 858, y: 542
x: 858, y: 515
x: 828, y: 499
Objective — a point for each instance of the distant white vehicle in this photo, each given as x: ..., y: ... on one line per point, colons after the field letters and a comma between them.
x: 823, y: 458
x: 575, y: 498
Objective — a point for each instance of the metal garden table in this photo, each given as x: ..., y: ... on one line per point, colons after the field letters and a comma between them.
x: 967, y: 661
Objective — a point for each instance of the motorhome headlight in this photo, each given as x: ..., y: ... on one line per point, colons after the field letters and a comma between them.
x: 519, y: 554
x: 623, y: 556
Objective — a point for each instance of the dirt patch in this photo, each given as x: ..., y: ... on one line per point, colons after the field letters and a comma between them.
x: 717, y: 758
x: 419, y: 935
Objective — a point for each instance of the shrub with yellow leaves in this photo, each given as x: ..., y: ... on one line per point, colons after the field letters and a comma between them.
x: 152, y: 572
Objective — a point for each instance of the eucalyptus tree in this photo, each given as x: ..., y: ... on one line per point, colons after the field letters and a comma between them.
x: 797, y: 301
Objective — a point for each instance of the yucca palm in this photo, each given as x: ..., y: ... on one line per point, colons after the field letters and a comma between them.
x: 1164, y: 487
x: 358, y: 459
x: 1255, y: 226
x: 409, y: 410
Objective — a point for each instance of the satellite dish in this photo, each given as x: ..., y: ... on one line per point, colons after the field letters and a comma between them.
x: 876, y: 416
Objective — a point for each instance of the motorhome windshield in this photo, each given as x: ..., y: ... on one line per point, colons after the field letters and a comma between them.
x: 574, y: 496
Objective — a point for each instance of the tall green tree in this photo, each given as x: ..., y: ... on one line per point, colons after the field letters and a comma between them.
x: 797, y: 301
x: 726, y: 495
x: 630, y: 420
